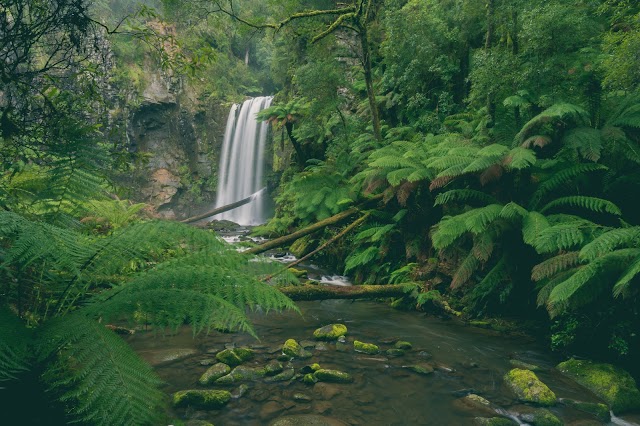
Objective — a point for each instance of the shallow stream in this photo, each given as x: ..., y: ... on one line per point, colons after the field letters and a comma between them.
x: 466, y: 360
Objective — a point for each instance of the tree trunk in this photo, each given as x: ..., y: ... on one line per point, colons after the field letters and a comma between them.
x: 302, y: 158
x: 324, y: 292
x: 222, y: 209
x: 368, y: 78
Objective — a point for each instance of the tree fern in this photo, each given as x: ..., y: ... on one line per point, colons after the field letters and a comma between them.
x: 15, y: 339
x: 609, y: 241
x: 622, y: 286
x: 560, y: 178
x: 556, y: 112
x: 586, y: 141
x: 465, y: 271
x: 97, y: 375
x: 598, y: 205
x: 519, y: 158
x: 555, y: 265
x: 466, y: 196
x: 564, y: 236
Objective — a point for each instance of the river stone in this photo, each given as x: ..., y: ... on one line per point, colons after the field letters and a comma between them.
x: 287, y: 374
x: 309, y: 379
x: 614, y: 385
x: 365, y: 348
x: 307, y: 344
x: 601, y: 411
x: 475, y: 404
x: 342, y: 347
x: 291, y: 348
x: 330, y: 332
x: 301, y: 397
x: 333, y: 376
x: 421, y: 368
x: 214, y: 373
x: 326, y: 391
x: 524, y: 365
x: 394, y: 352
x: 239, y: 391
x: 310, y: 368
x: 403, y: 345
x: 541, y: 417
x: 240, y: 374
x: 528, y: 388
x: 167, y: 356
x: 273, y: 368
x: 271, y: 409
x: 235, y: 356
x: 208, y: 399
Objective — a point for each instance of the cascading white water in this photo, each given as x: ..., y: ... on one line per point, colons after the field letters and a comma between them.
x: 242, y: 163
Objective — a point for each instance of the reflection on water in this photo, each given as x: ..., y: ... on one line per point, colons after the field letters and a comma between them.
x: 466, y: 360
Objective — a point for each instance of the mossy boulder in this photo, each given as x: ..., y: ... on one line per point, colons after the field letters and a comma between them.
x: 542, y: 417
x: 366, y: 348
x: 214, y: 373
x: 287, y: 374
x: 614, y: 385
x: 600, y: 411
x: 292, y: 349
x: 400, y: 344
x: 309, y: 379
x: 333, y: 376
x: 516, y: 363
x: 330, y: 332
x: 272, y: 368
x: 421, y: 368
x: 310, y: 368
x: 207, y: 399
x: 298, y: 273
x: 528, y: 388
x: 241, y: 373
x: 394, y: 352
x: 235, y: 356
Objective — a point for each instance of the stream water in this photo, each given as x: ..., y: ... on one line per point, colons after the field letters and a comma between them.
x: 466, y: 359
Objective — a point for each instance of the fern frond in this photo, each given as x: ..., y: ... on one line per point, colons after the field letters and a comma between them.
x: 549, y: 285
x: 586, y: 141
x: 483, y: 246
x: 15, y: 338
x: 482, y: 163
x: 519, y: 158
x: 463, y: 196
x: 513, y: 210
x: 598, y: 205
x: 361, y: 258
x: 564, y: 236
x: 475, y: 221
x: 621, y: 287
x: 464, y: 271
x: 561, y: 178
x: 609, y: 241
x: 97, y: 375
x: 555, y: 265
x: 556, y: 112
x: 532, y: 225
x: 482, y: 218
x: 491, y: 282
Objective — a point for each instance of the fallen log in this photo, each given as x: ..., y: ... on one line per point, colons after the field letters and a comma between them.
x: 281, y: 241
x: 223, y: 209
x: 325, y: 292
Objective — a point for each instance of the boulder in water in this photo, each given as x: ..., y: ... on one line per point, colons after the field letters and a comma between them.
x: 291, y: 348
x: 287, y: 374
x: 493, y: 421
x: 272, y: 368
x: 333, y: 376
x: 240, y: 374
x: 234, y: 356
x: 401, y: 344
x: 528, y: 388
x: 366, y: 348
x: 614, y: 385
x: 208, y: 399
x: 330, y: 332
x: 214, y: 373
x: 542, y: 417
x: 421, y: 368
x: 394, y: 352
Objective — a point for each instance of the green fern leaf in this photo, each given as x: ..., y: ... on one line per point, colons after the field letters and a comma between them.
x: 555, y: 265
x: 564, y: 236
x: 587, y: 141
x: 532, y: 225
x: 361, y: 258
x: 513, y: 210
x: 590, y: 203
x: 97, y: 375
x: 609, y: 241
x: 14, y: 345
x: 463, y: 196
x: 519, y: 158
x: 482, y: 163
x: 561, y: 178
x: 482, y: 217
x: 621, y: 287
x: 556, y: 112
x: 464, y: 271
x: 483, y: 246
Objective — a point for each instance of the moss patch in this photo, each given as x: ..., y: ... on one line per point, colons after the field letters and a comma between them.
x: 330, y: 332
x: 209, y: 399
x: 333, y: 376
x: 366, y: 348
x: 403, y: 345
x: 614, y: 385
x: 542, y: 417
x: 234, y: 357
x: 214, y: 373
x: 528, y: 388
x: 600, y: 411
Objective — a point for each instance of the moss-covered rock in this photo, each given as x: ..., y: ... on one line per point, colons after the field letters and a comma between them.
x: 600, y: 411
x: 309, y: 379
x: 400, y: 344
x: 614, y: 385
x: 493, y: 421
x: 528, y: 388
x: 287, y: 374
x: 298, y: 273
x: 516, y: 363
x: 542, y: 417
x: 214, y: 373
x: 292, y: 349
x: 333, y: 376
x: 272, y: 368
x: 365, y: 348
x: 421, y: 368
x: 394, y: 352
x: 330, y: 332
x: 241, y: 373
x: 207, y: 399
x: 235, y: 356
x: 310, y: 368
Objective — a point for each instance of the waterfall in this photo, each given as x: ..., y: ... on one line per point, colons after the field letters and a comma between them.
x: 242, y: 163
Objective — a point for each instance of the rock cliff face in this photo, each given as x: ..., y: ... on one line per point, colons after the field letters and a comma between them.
x: 179, y: 139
